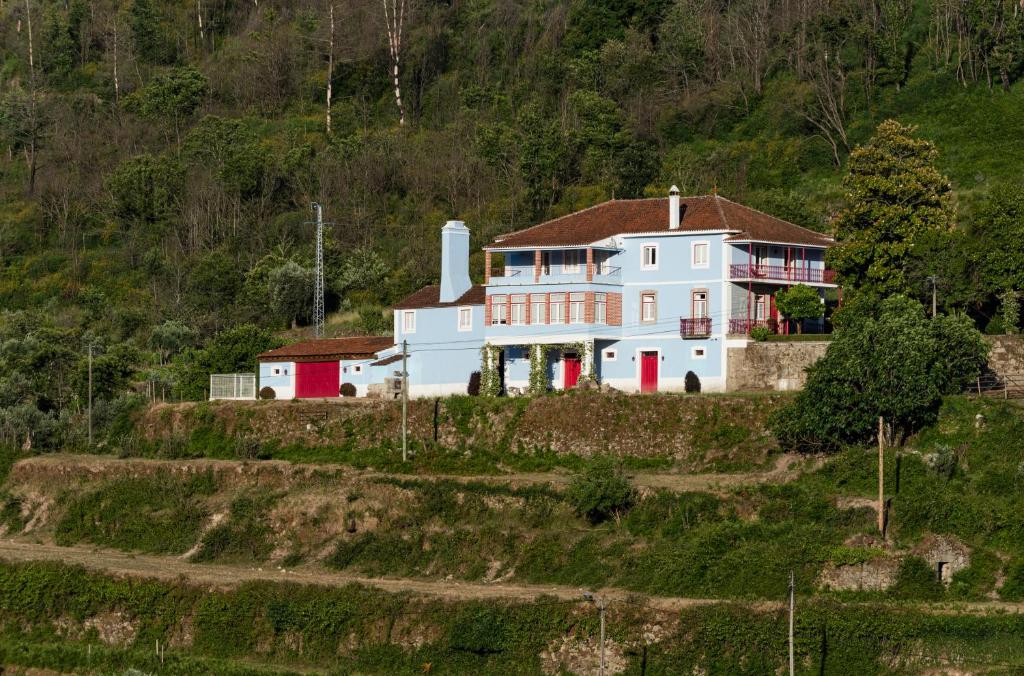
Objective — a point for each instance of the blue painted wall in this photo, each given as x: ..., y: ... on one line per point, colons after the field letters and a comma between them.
x: 440, y: 355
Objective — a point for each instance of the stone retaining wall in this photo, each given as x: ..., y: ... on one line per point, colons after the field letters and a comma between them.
x: 1007, y: 355
x: 772, y: 366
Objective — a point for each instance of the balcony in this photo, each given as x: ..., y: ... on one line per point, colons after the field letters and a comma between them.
x: 515, y: 276
x: 781, y: 273
x: 695, y: 327
x: 744, y: 326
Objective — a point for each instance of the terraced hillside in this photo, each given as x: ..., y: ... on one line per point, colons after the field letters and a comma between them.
x: 328, y: 566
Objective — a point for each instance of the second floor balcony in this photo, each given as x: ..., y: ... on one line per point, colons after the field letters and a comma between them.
x: 515, y: 276
x: 786, y: 274
x: 694, y: 327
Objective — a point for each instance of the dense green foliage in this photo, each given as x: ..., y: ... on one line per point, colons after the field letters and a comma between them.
x: 896, y: 197
x: 799, y: 302
x: 159, y: 172
x: 897, y: 364
x: 601, y: 492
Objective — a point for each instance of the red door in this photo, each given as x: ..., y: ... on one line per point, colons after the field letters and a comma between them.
x: 648, y: 371
x: 316, y: 379
x: 572, y: 366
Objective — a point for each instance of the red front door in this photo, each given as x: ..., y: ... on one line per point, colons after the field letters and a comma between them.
x: 648, y: 371
x: 316, y: 379
x: 572, y: 367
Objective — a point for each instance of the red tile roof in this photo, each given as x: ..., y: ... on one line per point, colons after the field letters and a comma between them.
x: 430, y: 296
x: 387, y: 360
x: 329, y: 349
x: 622, y: 217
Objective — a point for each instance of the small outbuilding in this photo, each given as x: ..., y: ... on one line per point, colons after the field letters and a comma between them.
x: 314, y: 369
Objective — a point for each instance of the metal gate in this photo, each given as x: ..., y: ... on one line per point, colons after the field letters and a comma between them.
x: 232, y: 386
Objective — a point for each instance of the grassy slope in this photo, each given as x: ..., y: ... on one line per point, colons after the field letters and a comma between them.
x: 953, y: 479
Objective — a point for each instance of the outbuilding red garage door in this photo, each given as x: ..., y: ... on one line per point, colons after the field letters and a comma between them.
x: 316, y: 379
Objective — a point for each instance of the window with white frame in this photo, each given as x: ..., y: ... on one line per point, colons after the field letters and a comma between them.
x: 499, y: 309
x: 557, y: 308
x: 700, y: 353
x: 518, y: 305
x: 701, y: 254
x: 649, y: 261
x: 699, y: 304
x: 277, y: 371
x: 465, y: 319
x: 571, y: 262
x: 358, y: 368
x: 600, y: 308
x: 538, y: 308
x: 648, y: 306
x: 610, y: 355
x: 577, y: 303
x: 761, y: 307
x: 409, y: 321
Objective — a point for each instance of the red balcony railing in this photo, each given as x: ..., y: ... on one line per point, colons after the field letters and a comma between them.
x: 695, y: 327
x: 743, y: 326
x: 782, y: 273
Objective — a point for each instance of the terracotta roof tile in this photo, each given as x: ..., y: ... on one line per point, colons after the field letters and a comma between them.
x: 430, y: 296
x: 623, y: 217
x: 326, y: 349
x: 387, y: 360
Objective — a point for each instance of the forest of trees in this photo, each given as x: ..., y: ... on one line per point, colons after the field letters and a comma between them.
x: 160, y: 157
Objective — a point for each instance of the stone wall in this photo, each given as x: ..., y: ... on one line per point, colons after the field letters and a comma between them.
x: 1007, y: 355
x: 772, y: 366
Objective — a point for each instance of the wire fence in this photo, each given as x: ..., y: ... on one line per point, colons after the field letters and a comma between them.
x: 991, y: 384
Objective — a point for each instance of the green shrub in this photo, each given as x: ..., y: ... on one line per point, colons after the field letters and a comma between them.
x: 760, y: 333
x: 600, y: 492
x: 1013, y: 586
x: 917, y: 580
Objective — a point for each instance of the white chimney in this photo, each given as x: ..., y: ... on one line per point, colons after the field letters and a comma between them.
x: 673, y: 208
x: 454, y: 261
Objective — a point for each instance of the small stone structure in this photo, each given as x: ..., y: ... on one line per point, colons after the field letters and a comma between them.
x: 780, y: 366
x: 946, y: 554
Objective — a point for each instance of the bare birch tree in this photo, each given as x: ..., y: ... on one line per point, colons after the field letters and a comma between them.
x: 394, y: 18
x: 330, y: 65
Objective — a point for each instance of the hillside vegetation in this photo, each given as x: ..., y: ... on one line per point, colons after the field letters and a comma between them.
x: 717, y: 541
x: 161, y: 157
x: 959, y: 480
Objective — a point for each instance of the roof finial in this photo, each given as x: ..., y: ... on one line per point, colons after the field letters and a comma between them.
x: 714, y: 188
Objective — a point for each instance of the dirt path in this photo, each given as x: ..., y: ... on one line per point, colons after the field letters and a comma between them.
x: 224, y: 576
x: 787, y: 467
x: 227, y: 576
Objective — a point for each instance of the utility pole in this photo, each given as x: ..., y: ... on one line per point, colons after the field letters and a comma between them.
x: 90, y: 394
x: 933, y: 279
x: 405, y: 400
x: 881, y: 476
x: 318, y: 291
x: 792, y: 612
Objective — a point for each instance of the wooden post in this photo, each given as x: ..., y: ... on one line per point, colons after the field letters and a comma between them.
x: 405, y: 401
x: 792, y: 612
x: 881, y: 475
